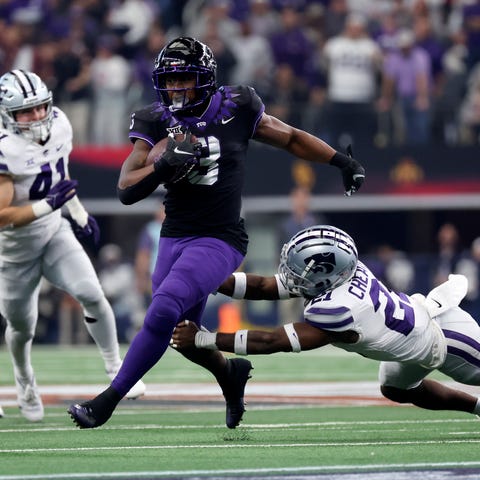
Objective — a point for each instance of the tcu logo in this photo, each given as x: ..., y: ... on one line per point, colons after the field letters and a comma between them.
x: 321, y: 262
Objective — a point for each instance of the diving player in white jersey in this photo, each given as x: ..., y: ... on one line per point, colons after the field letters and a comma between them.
x: 35, y: 240
x: 346, y: 306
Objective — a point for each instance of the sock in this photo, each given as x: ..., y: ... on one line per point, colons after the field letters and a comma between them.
x: 104, y: 404
x: 224, y: 374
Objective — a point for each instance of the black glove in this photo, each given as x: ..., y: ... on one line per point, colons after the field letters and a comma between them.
x: 177, y: 153
x: 179, y: 159
x: 352, y: 172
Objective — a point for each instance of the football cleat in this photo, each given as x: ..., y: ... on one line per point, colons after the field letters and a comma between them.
x: 234, y: 389
x: 94, y: 413
x: 83, y: 416
x: 29, y: 401
x: 136, y: 391
x: 1, y: 413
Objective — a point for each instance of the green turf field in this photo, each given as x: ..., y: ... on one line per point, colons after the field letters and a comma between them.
x: 149, y: 439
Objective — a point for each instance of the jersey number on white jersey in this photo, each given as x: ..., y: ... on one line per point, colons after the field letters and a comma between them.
x: 398, y: 312
x: 43, y: 181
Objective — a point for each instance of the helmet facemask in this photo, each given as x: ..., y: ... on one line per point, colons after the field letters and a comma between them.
x: 316, y: 260
x: 21, y: 90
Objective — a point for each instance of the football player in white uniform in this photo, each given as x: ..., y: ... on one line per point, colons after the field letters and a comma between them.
x: 345, y: 305
x: 35, y: 240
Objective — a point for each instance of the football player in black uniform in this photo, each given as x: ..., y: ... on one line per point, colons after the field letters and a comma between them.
x: 203, y: 238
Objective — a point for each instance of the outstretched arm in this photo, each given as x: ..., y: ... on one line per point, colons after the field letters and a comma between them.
x: 299, y: 143
x: 293, y: 337
x: 302, y: 144
x: 253, y: 287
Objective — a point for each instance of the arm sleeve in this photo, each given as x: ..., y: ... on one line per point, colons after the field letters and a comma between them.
x: 147, y: 185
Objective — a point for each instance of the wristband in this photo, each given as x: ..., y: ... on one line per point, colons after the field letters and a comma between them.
x: 205, y: 339
x: 240, y: 287
x: 283, y: 293
x: 340, y: 160
x: 292, y: 337
x: 41, y: 208
x: 77, y: 211
x: 240, y: 345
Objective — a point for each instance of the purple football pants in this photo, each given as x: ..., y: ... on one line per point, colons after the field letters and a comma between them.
x: 186, y: 272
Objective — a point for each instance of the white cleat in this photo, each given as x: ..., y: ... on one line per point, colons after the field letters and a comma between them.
x: 135, y: 392
x: 1, y: 413
x: 29, y: 400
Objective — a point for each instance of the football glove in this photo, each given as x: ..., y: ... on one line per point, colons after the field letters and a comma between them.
x: 353, y: 173
x: 91, y: 231
x: 182, y: 155
x: 179, y: 152
x: 61, y: 193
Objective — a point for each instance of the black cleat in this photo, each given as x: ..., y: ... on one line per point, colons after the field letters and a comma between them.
x: 234, y: 388
x: 96, y: 412
x: 82, y: 415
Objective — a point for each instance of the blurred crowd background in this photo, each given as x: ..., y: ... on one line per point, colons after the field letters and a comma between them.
x: 385, y: 73
x: 414, y: 63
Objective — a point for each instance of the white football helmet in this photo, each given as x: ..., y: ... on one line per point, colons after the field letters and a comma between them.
x: 317, y: 259
x: 20, y: 90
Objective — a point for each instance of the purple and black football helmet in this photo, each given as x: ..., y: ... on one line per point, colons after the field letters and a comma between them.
x: 185, y: 55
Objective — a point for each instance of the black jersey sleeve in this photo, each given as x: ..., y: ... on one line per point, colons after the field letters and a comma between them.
x: 148, y: 124
x: 250, y: 104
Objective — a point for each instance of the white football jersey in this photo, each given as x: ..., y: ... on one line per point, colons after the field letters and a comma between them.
x: 34, y: 169
x: 351, y: 62
x: 391, y: 326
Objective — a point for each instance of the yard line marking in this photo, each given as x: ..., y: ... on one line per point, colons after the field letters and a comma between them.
x: 244, y: 427
x: 239, y: 445
x: 235, y: 472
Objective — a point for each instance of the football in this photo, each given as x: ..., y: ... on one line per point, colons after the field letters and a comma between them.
x: 157, y: 151
x: 159, y: 148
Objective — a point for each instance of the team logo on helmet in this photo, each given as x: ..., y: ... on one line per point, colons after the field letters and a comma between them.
x: 317, y: 259
x: 321, y: 262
